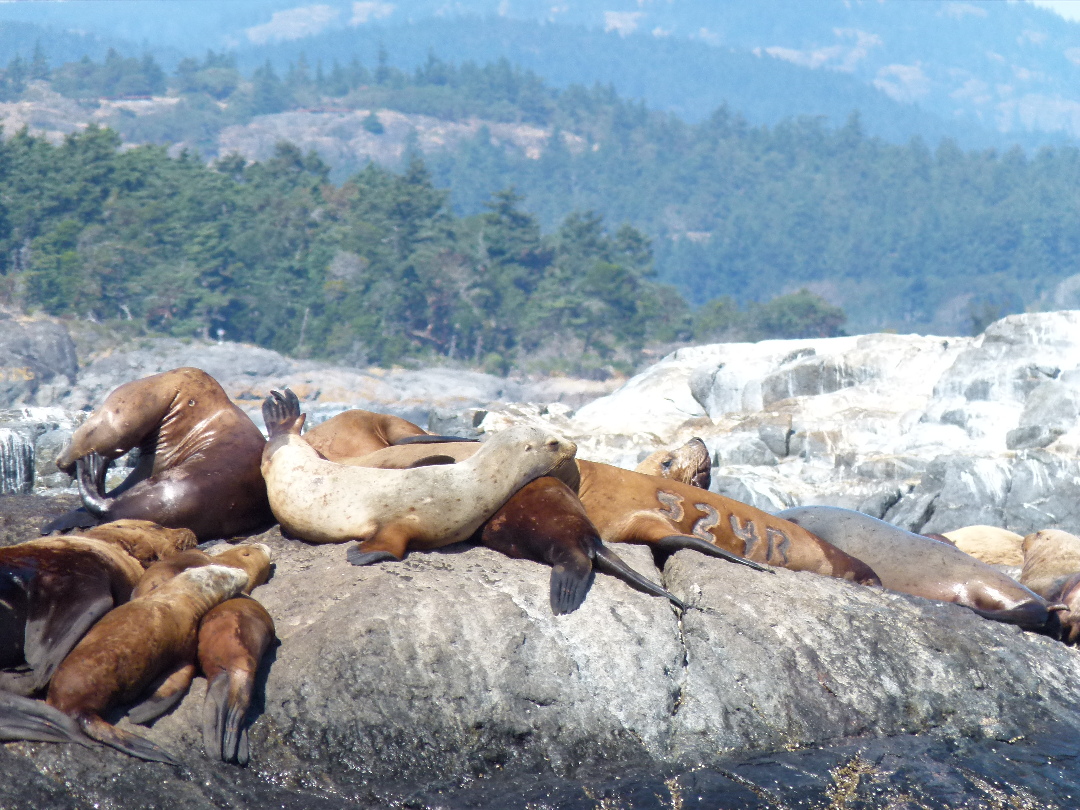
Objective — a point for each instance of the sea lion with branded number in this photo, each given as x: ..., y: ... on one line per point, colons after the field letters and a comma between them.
x: 392, y: 511
x: 198, y: 462
x: 690, y: 464
x: 233, y: 638
x: 357, y: 432
x: 52, y: 591
x: 135, y: 646
x: 918, y: 565
x: 631, y: 507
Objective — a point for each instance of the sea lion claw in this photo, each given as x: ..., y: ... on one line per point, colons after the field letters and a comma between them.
x: 677, y: 542
x: 358, y: 557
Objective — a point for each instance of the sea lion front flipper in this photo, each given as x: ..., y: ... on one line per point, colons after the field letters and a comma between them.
x: 358, y: 557
x: 432, y: 461
x: 23, y: 718
x: 570, y: 582
x: 677, y: 542
x: 54, y: 633
x: 75, y: 519
x: 431, y: 438
x: 389, y: 543
x: 227, y: 700
x: 168, y: 691
x: 124, y: 741
x: 608, y: 562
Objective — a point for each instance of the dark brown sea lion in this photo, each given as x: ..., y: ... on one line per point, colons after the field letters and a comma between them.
x: 233, y: 638
x: 689, y: 464
x: 629, y: 507
x: 142, y: 642
x: 392, y: 511
x: 918, y: 565
x: 52, y: 590
x: 357, y: 432
x: 198, y: 458
x: 544, y: 521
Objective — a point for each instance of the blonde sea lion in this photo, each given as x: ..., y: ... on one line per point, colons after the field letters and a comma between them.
x: 357, y: 432
x: 689, y: 464
x: 1051, y: 556
x: 233, y: 638
x: 53, y: 589
x: 918, y: 565
x: 630, y: 507
x: 132, y: 647
x: 198, y: 462
x: 391, y: 511
x: 991, y: 544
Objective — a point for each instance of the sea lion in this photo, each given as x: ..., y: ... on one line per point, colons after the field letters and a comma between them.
x: 1067, y: 592
x: 544, y: 521
x: 53, y: 589
x: 357, y: 432
x: 143, y: 641
x: 991, y: 544
x: 233, y: 638
x: 689, y: 464
x: 198, y: 458
x: 1051, y: 556
x: 918, y: 565
x: 390, y: 511
x: 253, y: 558
x: 630, y: 507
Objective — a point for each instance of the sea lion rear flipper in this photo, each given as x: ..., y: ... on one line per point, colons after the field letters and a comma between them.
x: 227, y: 701
x: 607, y: 561
x: 430, y: 438
x: 124, y: 741
x: 570, y: 583
x: 75, y: 519
x: 677, y: 542
x: 168, y: 691
x: 51, y: 635
x: 281, y: 413
x: 1030, y: 615
x: 23, y: 718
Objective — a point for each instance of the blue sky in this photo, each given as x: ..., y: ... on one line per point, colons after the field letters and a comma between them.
x: 1069, y: 9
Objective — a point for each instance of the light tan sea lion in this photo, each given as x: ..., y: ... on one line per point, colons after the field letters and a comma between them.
x: 233, y: 638
x: 689, y: 464
x: 357, y: 432
x: 198, y: 465
x: 391, y: 511
x: 629, y: 507
x: 1051, y: 556
x: 991, y: 544
x: 134, y: 646
x: 918, y: 565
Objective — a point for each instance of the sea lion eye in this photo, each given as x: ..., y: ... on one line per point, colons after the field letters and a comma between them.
x: 553, y: 444
x: 191, y: 403
x: 666, y: 465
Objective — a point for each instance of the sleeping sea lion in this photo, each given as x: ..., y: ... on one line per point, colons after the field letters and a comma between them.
x: 1051, y: 556
x: 143, y: 641
x: 689, y: 464
x: 629, y: 507
x: 233, y: 638
x: 198, y: 458
x: 53, y: 589
x: 915, y: 564
x: 991, y: 544
x: 391, y: 511
x: 357, y: 432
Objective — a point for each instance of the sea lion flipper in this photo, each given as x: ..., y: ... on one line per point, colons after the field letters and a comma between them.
x: 430, y: 438
x: 570, y: 583
x: 227, y: 700
x: 431, y: 461
x: 608, y: 562
x: 124, y: 741
x: 281, y: 413
x: 168, y: 691
x: 677, y: 542
x: 75, y: 519
x: 23, y: 718
x: 358, y: 557
x: 52, y: 635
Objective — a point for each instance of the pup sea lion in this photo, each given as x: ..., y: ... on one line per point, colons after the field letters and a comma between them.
x: 233, y: 637
x: 914, y: 564
x: 52, y: 590
x: 991, y: 544
x: 357, y: 432
x: 198, y: 465
x: 544, y: 521
x: 134, y: 645
x: 390, y: 511
x: 689, y: 464
x: 629, y: 507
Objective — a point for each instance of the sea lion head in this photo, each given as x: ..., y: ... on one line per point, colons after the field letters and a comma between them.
x: 539, y: 450
x: 253, y: 558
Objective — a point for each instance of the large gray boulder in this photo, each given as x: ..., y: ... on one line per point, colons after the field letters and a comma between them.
x: 37, y: 360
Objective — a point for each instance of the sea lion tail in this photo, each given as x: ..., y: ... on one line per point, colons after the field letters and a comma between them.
x: 23, y: 718
x: 610, y: 563
x: 677, y: 542
x: 570, y: 583
x: 124, y: 741
x: 227, y: 701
